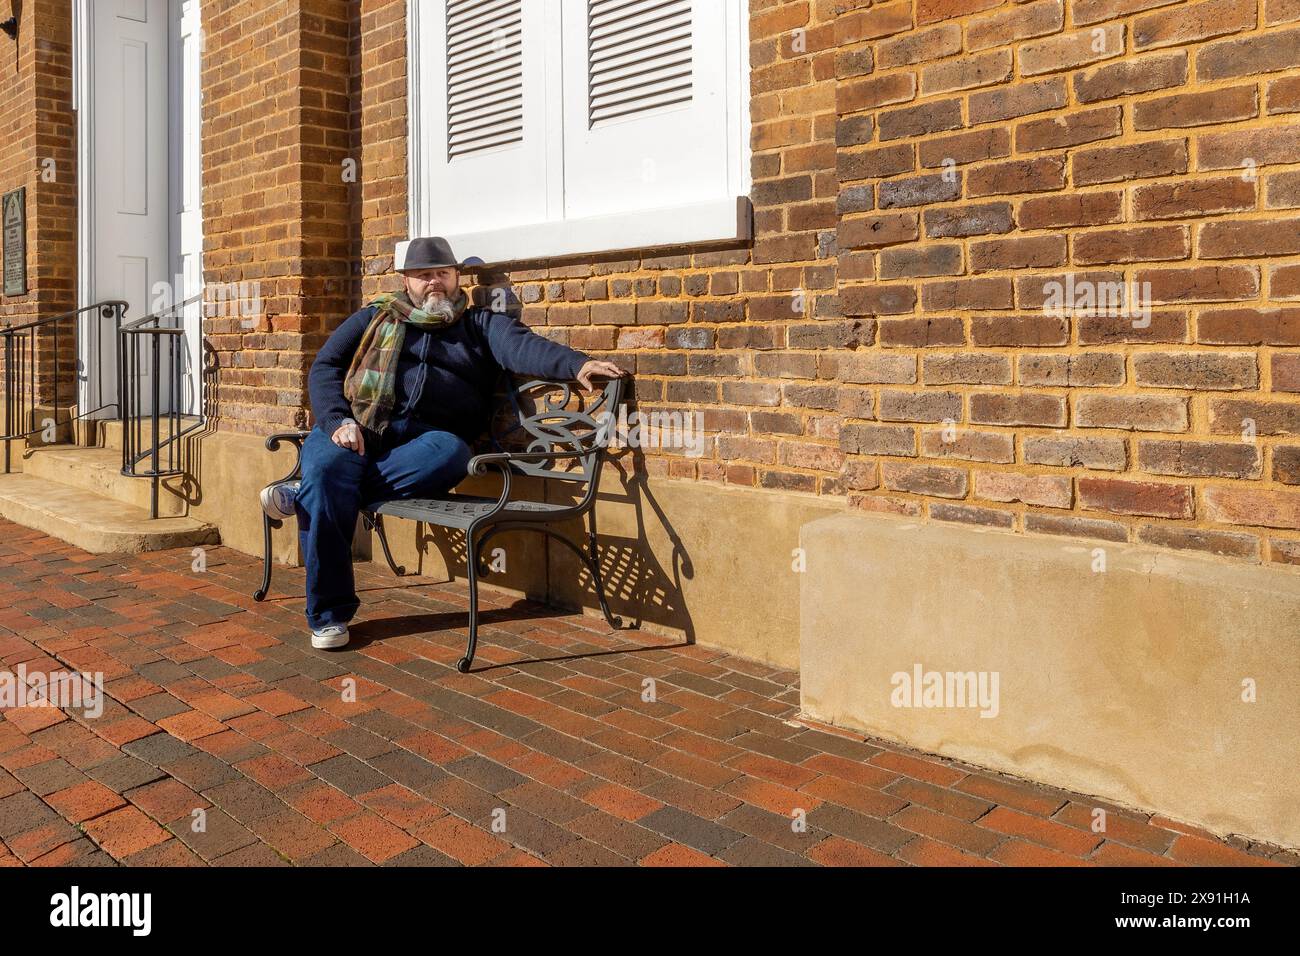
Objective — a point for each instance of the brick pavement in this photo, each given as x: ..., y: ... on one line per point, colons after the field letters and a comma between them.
x: 384, y: 754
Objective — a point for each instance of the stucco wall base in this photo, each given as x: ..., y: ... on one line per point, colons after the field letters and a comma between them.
x: 38, y: 420
x: 695, y: 562
x: 1126, y: 683
x: 681, y: 558
x: 691, y: 561
x: 224, y: 471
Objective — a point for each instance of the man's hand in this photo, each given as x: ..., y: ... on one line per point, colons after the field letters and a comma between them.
x: 597, y: 367
x: 348, y: 435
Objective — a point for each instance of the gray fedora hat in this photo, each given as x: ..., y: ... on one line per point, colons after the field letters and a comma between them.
x: 429, y: 252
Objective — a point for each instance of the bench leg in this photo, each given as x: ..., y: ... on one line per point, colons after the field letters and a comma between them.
x: 397, y: 569
x: 260, y: 593
x: 471, y: 564
x: 590, y: 557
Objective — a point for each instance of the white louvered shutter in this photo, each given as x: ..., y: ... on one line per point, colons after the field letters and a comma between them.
x: 485, y: 76
x: 639, y: 58
x: 543, y: 128
x: 645, y: 118
x: 483, y: 150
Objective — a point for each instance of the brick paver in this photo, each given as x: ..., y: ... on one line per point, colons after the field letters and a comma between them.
x: 226, y: 739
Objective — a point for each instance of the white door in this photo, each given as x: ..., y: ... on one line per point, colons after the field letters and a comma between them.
x: 137, y: 85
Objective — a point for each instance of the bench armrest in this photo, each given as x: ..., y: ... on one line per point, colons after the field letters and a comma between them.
x: 478, y: 465
x: 501, y: 461
x: 296, y: 438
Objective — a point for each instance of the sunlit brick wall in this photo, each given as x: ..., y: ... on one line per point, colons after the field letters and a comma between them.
x: 277, y: 205
x: 704, y: 329
x: 923, y: 169
x: 988, y: 149
x: 38, y: 150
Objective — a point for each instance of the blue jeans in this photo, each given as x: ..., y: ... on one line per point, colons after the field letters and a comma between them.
x: 413, y: 461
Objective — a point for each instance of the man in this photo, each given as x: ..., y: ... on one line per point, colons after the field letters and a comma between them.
x: 399, y: 391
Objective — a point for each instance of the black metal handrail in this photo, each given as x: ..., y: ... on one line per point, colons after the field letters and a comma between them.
x: 20, y: 372
x: 147, y: 335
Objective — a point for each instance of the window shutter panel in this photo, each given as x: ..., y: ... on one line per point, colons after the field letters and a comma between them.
x: 485, y: 76
x: 639, y: 57
x: 483, y: 146
x: 543, y: 128
x: 646, y: 121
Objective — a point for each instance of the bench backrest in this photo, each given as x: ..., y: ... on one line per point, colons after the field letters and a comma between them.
x: 551, y: 416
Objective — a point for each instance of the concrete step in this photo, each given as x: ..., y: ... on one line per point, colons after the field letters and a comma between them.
x: 110, y: 430
x: 99, y: 471
x: 93, y: 522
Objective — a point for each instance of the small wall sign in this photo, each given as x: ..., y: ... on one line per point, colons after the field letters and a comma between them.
x: 13, y: 216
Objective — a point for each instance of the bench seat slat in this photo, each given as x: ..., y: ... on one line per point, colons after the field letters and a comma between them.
x: 458, y: 511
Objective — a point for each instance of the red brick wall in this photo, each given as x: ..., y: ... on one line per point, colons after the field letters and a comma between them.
x: 380, y: 67
x: 678, y: 317
x: 921, y: 168
x: 277, y: 210
x: 884, y: 337
x: 37, y: 125
x: 1129, y: 140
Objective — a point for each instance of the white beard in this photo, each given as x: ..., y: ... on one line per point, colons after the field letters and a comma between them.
x: 435, y: 303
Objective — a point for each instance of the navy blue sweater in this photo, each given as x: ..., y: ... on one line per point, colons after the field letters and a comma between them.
x: 445, y: 376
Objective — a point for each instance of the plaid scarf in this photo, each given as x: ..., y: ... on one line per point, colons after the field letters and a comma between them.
x: 370, y: 383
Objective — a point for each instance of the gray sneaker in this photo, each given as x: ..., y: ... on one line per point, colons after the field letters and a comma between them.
x: 278, y: 499
x: 330, y: 637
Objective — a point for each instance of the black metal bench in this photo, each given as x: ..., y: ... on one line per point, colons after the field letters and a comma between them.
x: 556, y: 422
